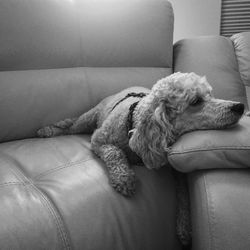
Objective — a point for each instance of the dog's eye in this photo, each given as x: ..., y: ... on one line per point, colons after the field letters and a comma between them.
x: 196, y: 101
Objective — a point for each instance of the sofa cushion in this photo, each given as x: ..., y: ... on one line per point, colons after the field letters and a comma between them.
x: 55, y: 192
x: 220, y: 202
x: 31, y: 99
x: 229, y: 148
x: 241, y: 43
x: 60, y: 58
x: 44, y: 34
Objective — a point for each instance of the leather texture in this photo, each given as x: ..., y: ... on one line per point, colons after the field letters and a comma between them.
x: 228, y: 148
x: 214, y: 57
x: 31, y: 99
x: 87, y: 50
x: 219, y: 198
x: 55, y: 194
x: 58, y: 59
x: 45, y: 34
x: 220, y: 201
x: 241, y: 43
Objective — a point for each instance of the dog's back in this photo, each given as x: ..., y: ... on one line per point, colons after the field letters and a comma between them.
x: 106, y: 105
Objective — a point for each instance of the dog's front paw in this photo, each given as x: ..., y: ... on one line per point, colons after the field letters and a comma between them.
x: 124, y: 182
x: 45, y: 132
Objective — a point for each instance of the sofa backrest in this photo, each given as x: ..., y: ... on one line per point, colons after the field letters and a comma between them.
x: 214, y: 57
x: 60, y: 58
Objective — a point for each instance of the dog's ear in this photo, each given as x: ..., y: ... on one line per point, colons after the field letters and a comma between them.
x: 166, y: 110
x: 151, y: 137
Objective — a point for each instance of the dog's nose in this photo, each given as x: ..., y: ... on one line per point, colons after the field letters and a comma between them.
x: 238, y: 108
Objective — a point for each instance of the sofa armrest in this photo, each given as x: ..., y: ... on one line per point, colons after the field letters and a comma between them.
x: 220, y: 209
x: 213, y: 56
x: 241, y: 43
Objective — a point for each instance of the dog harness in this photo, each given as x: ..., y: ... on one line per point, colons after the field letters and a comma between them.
x: 132, y: 107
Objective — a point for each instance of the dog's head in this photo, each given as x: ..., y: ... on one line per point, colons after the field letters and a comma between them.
x: 185, y: 100
x: 177, y: 104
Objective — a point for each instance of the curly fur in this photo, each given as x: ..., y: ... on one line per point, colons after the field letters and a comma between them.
x: 177, y: 104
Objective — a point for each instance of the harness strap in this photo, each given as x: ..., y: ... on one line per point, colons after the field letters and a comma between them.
x: 141, y: 94
x: 130, y: 119
x: 132, y: 107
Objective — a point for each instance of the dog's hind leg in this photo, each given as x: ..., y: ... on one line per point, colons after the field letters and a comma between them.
x: 86, y: 123
x: 122, y: 178
x: 183, y: 227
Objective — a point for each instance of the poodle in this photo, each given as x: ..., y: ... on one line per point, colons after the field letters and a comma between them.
x: 140, y: 125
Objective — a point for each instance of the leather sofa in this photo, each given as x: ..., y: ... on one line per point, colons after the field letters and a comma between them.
x: 219, y: 198
x: 57, y: 60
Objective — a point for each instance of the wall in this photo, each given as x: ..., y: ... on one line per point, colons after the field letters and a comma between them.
x: 196, y: 18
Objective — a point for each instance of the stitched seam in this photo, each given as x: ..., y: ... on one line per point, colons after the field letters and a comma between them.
x: 57, y: 218
x: 54, y: 215
x: 6, y: 157
x: 66, y: 165
x: 13, y: 183
x: 15, y: 174
x: 210, y: 149
x: 211, y: 216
